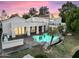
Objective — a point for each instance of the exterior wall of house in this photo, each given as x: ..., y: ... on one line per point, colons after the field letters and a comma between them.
x: 8, y: 26
x: 56, y: 21
x: 12, y: 43
x: 15, y: 23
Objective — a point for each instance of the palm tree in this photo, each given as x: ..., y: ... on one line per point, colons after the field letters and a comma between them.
x: 26, y: 16
x: 13, y: 15
x: 32, y: 11
x: 43, y: 11
x: 52, y: 32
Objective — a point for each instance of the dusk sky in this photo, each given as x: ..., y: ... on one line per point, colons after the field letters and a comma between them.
x: 22, y: 7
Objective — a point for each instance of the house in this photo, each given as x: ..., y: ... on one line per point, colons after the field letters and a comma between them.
x: 19, y: 26
x: 55, y: 22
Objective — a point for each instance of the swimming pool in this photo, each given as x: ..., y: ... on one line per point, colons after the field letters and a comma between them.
x: 46, y: 38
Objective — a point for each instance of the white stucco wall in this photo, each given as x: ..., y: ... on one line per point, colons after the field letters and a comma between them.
x: 55, y: 21
x: 9, y: 25
x: 12, y: 43
x: 6, y: 28
x: 38, y: 19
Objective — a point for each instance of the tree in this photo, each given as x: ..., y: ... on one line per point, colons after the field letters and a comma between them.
x: 4, y: 15
x: 32, y: 11
x: 75, y: 25
x: 43, y: 11
x: 26, y: 16
x: 75, y: 20
x: 70, y: 14
x: 60, y: 28
x: 52, y: 32
x: 66, y: 8
x: 72, y: 20
x: 13, y: 15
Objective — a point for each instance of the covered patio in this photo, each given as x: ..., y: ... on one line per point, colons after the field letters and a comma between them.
x: 18, y: 26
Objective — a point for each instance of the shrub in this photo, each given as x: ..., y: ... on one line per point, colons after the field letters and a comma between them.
x: 40, y: 56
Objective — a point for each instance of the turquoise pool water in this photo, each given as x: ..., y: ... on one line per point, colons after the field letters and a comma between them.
x: 45, y: 38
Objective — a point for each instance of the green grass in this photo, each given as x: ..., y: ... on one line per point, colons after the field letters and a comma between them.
x: 58, y: 51
x: 76, y: 55
x: 34, y: 51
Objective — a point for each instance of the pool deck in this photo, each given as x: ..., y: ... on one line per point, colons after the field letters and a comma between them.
x: 28, y: 43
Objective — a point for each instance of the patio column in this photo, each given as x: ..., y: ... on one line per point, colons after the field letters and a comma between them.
x: 13, y: 33
x: 25, y: 30
x: 42, y: 28
x: 37, y: 30
x: 28, y: 31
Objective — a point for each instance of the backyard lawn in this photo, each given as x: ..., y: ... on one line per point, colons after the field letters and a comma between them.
x: 64, y: 50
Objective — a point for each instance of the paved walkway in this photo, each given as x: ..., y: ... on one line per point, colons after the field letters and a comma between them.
x: 74, y: 50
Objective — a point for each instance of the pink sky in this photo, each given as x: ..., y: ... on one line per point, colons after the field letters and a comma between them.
x: 22, y: 7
